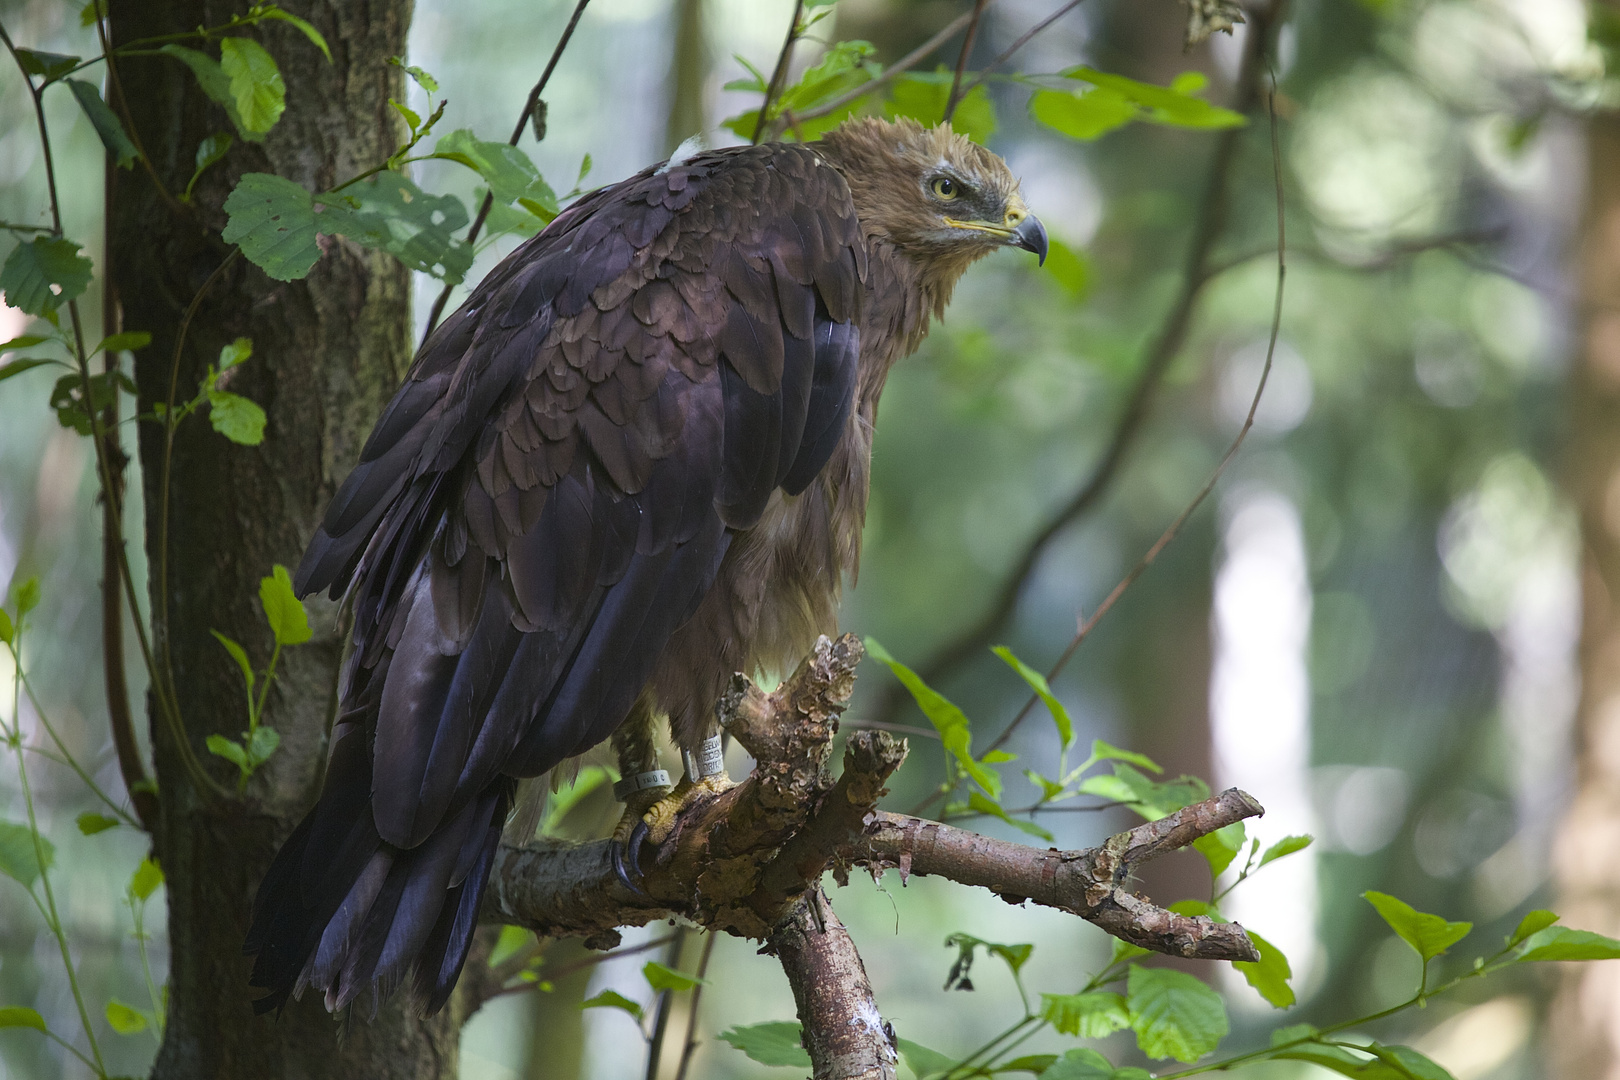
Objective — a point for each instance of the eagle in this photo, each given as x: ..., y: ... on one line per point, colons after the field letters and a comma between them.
x: 635, y: 461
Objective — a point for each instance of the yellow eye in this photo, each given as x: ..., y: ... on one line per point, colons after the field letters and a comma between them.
x: 944, y: 188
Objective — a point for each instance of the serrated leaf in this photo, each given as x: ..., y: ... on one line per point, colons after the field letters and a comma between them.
x: 777, y: 1042
x: 1270, y: 975
x: 234, y: 353
x: 236, y: 417
x: 922, y: 1061
x: 106, y: 123
x: 91, y: 823
x: 19, y: 859
x: 922, y: 96
x: 983, y: 805
x: 288, y: 620
x: 1562, y: 943
x: 22, y: 364
x: 273, y: 221
x: 1037, y: 682
x: 145, y: 881
x: 314, y: 35
x: 1090, y: 1016
x: 1081, y: 1063
x: 955, y: 733
x: 213, y: 82
x: 1532, y: 923
x: 1173, y: 1014
x: 1430, y: 935
x: 1286, y: 846
x: 255, y: 82
x: 389, y: 213
x: 609, y: 999
x: 123, y: 1019
x: 20, y: 1016
x: 44, y: 273
x: 423, y: 79
x: 261, y: 744
x: 49, y: 65
x: 1220, y: 847
x: 231, y: 751
x: 660, y: 977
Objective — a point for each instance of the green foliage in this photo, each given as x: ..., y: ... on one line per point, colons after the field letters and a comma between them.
x: 46, y: 272
x: 106, y: 123
x: 922, y: 96
x: 1173, y: 1014
x: 660, y: 977
x: 1430, y: 935
x: 778, y: 1042
x: 19, y: 859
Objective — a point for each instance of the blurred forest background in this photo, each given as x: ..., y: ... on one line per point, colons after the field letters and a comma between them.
x: 1375, y: 626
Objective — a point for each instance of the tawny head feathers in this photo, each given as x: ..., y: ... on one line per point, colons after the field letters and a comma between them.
x: 940, y: 198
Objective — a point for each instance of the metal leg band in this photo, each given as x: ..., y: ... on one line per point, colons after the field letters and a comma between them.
x: 640, y: 782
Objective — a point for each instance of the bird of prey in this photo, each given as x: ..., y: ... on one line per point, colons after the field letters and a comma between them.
x: 635, y: 461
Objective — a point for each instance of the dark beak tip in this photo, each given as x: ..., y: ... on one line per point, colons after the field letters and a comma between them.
x: 1031, y: 236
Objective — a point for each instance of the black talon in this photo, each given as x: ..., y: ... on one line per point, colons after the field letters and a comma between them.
x: 619, y: 853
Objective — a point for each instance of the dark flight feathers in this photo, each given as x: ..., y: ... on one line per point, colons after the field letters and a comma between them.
x: 542, y: 504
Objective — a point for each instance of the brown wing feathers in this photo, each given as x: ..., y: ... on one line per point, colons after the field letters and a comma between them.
x: 546, y: 499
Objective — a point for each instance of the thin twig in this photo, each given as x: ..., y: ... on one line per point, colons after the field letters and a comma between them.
x: 773, y: 89
x: 955, y: 98
x: 1169, y: 534
x: 529, y: 104
x: 1029, y: 35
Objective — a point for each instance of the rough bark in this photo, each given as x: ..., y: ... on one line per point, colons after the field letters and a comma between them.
x: 328, y: 351
x: 1585, y: 1016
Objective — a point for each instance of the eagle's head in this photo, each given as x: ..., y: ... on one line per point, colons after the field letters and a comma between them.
x: 939, y: 197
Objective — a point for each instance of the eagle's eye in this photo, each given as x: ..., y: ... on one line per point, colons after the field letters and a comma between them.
x: 944, y: 188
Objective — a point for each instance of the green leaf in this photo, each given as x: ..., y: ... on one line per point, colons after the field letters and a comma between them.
x: 1037, y: 682
x: 423, y: 79
x: 508, y: 171
x: 1081, y: 1063
x: 231, y: 751
x: 235, y: 417
x: 18, y: 1016
x: 129, y: 341
x: 44, y: 273
x: 256, y: 86
x: 922, y: 1061
x: 983, y: 805
x: 1085, y: 116
x: 1090, y: 1016
x: 240, y: 655
x: 1173, y: 105
x: 146, y: 879
x: 314, y: 35
x: 660, y: 977
x: 1173, y: 1014
x: 1286, y: 846
x: 47, y: 64
x: 92, y: 823
x: 1270, y: 976
x: 1069, y: 268
x: 213, y: 81
x: 389, y: 213
x: 106, y: 123
x: 18, y: 858
x: 608, y: 999
x: 234, y: 353
x: 288, y: 621
x: 273, y: 221
x: 955, y: 732
x: 1220, y: 847
x: 1430, y: 935
x: 922, y: 96
x: 123, y: 1019
x: 1562, y: 943
x: 261, y: 744
x: 1532, y: 923
x: 22, y: 364
x: 777, y: 1042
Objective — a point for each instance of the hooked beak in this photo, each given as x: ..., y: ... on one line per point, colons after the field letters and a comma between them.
x: 1031, y: 236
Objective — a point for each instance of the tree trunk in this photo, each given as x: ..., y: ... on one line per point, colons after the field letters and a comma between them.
x: 328, y: 351
x: 1585, y: 1017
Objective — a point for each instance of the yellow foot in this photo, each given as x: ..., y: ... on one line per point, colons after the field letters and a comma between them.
x: 660, y: 817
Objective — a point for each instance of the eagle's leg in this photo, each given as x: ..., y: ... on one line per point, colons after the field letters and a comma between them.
x: 642, y: 785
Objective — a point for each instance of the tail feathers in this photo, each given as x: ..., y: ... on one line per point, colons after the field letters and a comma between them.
x: 342, y: 911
